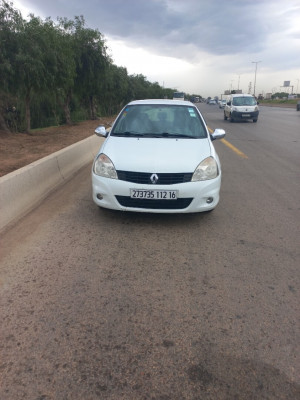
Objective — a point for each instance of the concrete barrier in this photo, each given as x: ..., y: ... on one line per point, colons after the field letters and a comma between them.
x: 23, y: 189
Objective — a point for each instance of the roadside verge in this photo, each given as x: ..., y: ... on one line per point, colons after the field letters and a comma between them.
x: 22, y: 190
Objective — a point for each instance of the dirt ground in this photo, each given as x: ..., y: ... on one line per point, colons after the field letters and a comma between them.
x: 19, y: 149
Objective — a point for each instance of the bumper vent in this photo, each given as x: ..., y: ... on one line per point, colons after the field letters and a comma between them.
x: 178, y: 204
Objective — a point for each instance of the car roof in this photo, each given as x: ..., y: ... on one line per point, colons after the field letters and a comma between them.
x: 162, y: 102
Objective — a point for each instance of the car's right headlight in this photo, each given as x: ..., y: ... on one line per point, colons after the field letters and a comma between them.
x: 207, y: 169
x: 103, y: 166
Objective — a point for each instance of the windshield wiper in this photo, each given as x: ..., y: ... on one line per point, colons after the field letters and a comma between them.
x: 153, y: 135
x: 176, y: 135
x: 128, y: 133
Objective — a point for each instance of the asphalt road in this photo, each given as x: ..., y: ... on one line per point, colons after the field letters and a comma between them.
x: 97, y: 304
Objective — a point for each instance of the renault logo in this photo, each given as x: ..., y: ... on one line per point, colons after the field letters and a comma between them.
x: 154, y: 179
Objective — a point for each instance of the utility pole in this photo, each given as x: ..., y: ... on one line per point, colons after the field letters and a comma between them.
x: 255, y: 62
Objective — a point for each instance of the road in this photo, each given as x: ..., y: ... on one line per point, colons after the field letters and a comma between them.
x: 97, y: 304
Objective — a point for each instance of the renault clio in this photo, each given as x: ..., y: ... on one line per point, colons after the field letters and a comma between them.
x: 158, y: 157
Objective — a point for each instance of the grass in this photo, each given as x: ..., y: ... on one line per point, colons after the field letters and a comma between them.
x: 291, y: 102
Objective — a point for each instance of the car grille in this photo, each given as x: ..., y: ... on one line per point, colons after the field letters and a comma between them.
x: 178, y: 204
x: 163, y: 179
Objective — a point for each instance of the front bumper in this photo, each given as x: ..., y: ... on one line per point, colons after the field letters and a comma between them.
x: 192, y: 196
x: 244, y: 115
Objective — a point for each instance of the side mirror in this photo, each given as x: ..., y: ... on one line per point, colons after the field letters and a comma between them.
x: 218, y: 134
x: 229, y: 103
x: 100, y: 131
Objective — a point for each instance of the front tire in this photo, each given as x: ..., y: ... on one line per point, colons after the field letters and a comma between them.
x: 255, y: 120
x: 231, y: 118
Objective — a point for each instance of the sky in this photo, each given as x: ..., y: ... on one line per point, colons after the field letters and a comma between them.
x: 199, y: 47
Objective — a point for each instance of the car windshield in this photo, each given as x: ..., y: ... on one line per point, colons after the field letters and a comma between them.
x: 244, y: 101
x: 162, y: 121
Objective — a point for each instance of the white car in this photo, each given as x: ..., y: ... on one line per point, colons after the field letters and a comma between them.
x: 241, y: 107
x: 158, y: 157
x: 222, y: 103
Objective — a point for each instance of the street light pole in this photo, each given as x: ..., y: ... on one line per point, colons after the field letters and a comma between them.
x: 255, y: 62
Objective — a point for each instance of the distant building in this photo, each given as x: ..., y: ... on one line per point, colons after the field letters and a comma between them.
x: 233, y: 91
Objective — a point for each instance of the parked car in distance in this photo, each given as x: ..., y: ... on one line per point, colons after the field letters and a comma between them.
x: 298, y: 106
x: 222, y: 103
x: 241, y: 107
x: 158, y: 157
x: 212, y: 102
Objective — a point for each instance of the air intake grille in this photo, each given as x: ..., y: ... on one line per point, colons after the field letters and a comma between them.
x: 163, y: 179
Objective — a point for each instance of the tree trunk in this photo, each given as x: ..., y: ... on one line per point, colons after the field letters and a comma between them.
x: 67, y: 109
x: 3, y: 126
x: 27, y: 111
x: 92, y: 107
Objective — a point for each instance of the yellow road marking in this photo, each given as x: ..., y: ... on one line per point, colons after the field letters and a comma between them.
x: 231, y: 146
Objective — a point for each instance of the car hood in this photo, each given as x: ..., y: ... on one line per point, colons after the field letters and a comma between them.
x: 157, y: 155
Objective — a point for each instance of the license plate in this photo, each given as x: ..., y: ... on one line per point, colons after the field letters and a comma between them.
x: 246, y: 115
x: 153, y: 194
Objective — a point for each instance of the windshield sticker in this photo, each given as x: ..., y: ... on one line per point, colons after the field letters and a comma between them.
x: 192, y: 112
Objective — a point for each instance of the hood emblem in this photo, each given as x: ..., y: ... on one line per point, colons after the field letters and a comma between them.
x: 154, y: 179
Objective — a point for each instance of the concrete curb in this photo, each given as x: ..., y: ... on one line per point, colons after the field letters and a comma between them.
x: 22, y: 190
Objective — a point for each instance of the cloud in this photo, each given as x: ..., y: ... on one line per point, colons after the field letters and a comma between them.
x: 166, y: 39
x: 182, y: 29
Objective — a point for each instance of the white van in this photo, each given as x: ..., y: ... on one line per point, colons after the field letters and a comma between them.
x: 241, y: 107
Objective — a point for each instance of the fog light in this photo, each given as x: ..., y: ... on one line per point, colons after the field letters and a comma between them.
x: 99, y: 196
x: 209, y: 200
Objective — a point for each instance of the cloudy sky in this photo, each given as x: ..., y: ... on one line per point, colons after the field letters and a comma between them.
x: 196, y: 46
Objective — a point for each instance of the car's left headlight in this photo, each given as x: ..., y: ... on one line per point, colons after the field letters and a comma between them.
x: 103, y: 166
x: 207, y: 169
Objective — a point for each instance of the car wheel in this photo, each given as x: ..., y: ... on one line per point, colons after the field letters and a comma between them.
x: 231, y: 118
x: 255, y: 120
x: 225, y: 117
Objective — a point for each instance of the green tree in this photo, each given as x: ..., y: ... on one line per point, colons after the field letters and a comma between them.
x: 59, y: 72
x: 92, y: 62
x: 66, y: 66
x: 35, y: 62
x: 280, y: 95
x: 10, y: 24
x: 113, y: 97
